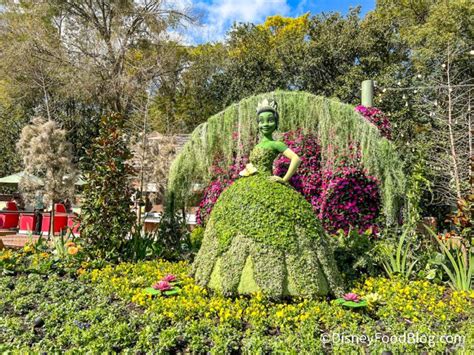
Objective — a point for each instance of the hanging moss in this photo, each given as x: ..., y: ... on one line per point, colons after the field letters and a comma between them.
x: 234, y: 132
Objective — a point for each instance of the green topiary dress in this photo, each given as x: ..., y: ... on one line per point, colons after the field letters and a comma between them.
x: 262, y: 235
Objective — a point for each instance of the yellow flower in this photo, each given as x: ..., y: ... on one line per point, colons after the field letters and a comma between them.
x: 72, y: 250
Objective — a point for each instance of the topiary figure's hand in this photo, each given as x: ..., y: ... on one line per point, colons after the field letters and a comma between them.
x: 277, y: 179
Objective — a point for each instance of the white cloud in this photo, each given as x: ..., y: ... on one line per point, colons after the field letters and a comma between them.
x: 219, y: 15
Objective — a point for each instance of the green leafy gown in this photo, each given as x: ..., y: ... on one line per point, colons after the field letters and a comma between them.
x: 263, y: 236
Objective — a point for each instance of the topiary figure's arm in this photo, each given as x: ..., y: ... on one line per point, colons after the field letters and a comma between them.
x: 295, y: 162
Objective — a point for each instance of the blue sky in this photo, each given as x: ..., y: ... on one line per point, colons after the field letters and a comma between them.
x: 218, y: 15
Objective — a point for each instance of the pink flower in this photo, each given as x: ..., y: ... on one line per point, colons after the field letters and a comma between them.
x: 169, y: 278
x: 351, y: 297
x: 162, y: 286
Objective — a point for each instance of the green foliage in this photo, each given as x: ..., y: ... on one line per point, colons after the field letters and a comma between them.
x: 335, y: 124
x: 459, y: 265
x: 12, y: 121
x: 355, y: 254
x: 106, y: 218
x: 395, y: 261
x: 107, y: 310
x: 173, y: 233
x: 195, y: 238
x: 418, y: 184
x: 255, y: 224
x: 141, y: 245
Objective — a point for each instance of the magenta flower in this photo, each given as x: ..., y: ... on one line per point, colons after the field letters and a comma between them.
x: 343, y: 195
x: 162, y: 286
x: 378, y: 118
x: 169, y: 278
x: 351, y: 297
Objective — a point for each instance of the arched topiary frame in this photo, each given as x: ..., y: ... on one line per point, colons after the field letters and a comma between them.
x: 233, y: 131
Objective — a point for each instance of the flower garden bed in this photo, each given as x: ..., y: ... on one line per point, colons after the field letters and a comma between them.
x: 109, y: 309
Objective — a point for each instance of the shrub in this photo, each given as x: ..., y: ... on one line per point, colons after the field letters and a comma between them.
x: 173, y: 233
x: 106, y: 218
x: 350, y: 200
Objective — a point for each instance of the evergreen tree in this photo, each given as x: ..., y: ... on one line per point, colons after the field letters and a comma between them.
x: 106, y: 218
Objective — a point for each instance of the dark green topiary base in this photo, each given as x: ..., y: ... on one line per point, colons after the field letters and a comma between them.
x: 263, y: 236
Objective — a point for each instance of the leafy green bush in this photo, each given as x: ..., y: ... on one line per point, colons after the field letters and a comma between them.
x: 173, y: 233
x: 356, y: 255
x: 458, y: 263
x: 195, y: 238
x: 106, y: 218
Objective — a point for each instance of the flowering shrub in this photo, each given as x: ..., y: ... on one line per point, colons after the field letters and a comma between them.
x: 378, y: 118
x: 308, y: 178
x: 343, y: 196
x: 221, y: 178
x: 350, y: 200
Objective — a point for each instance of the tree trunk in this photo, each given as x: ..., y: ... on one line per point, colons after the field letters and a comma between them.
x: 455, y: 171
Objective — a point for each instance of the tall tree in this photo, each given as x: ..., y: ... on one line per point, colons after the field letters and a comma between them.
x: 106, y: 218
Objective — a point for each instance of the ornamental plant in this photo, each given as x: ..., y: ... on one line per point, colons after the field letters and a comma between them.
x: 343, y: 196
x: 350, y: 199
x: 378, y: 118
x: 167, y: 286
x: 106, y: 218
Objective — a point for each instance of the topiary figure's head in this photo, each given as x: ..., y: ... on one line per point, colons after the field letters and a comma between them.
x: 267, y: 117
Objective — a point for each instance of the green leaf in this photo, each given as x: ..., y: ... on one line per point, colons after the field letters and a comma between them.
x: 351, y: 304
x: 152, y: 291
x: 172, y: 292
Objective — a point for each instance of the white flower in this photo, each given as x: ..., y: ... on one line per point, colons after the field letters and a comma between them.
x: 250, y: 169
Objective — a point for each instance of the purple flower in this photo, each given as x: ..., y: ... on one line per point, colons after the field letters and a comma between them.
x: 378, y: 118
x: 343, y: 195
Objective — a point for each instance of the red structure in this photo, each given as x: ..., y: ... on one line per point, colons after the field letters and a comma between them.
x: 60, y: 220
x: 9, y: 220
x: 73, y: 223
x: 27, y: 222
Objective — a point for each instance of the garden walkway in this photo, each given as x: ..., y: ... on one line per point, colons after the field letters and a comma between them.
x: 15, y: 240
